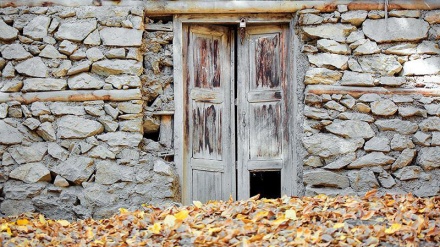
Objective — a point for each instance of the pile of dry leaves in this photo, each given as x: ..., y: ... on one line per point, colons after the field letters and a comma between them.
x: 316, y: 221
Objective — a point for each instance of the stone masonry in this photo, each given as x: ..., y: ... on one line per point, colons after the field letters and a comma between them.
x: 86, y: 104
x: 371, y: 101
x: 71, y: 156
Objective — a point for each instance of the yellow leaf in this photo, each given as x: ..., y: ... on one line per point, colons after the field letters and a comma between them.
x: 198, y: 204
x: 338, y: 225
x: 291, y: 214
x: 155, y: 228
x: 123, y: 210
x: 42, y: 219
x: 182, y: 215
x: 63, y: 222
x: 169, y: 220
x: 260, y: 215
x: 5, y: 227
x: 393, y: 228
x: 89, y: 233
x: 214, y: 230
x: 22, y: 222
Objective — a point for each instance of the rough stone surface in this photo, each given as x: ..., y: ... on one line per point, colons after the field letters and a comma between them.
x: 51, y: 52
x: 7, y: 33
x: 121, y: 138
x: 367, y: 48
x: 121, y: 81
x: 46, y: 131
x: 76, y: 169
x: 14, y: 51
x: 429, y: 66
x: 27, y: 154
x: 117, y: 67
x: 77, y: 127
x: 380, y: 64
x: 43, y: 84
x: 408, y: 173
x: 372, y: 159
x: 329, y: 60
x: 381, y: 144
x: 60, y: 181
x: 326, y: 145
x: 64, y: 108
x: 85, y: 81
x: 363, y: 180
x: 316, y: 113
x: 356, y: 17
x: 108, y: 172
x: 325, y: 178
x: 357, y: 79
x: 429, y: 158
x: 75, y: 31
x: 433, y: 17
x: 411, y: 111
x: 401, y: 142
x: 121, y: 36
x: 337, y: 32
x: 331, y: 46
x: 403, y: 127
x: 56, y: 151
x: 430, y: 124
x: 351, y: 129
x: 341, y: 162
x: 37, y: 28
x: 9, y: 134
x: 356, y: 116
x: 395, y: 29
x: 421, y: 138
x: 33, y: 67
x: 313, y: 161
x: 161, y: 167
x: 31, y: 173
x: 383, y: 107
x: 404, y: 159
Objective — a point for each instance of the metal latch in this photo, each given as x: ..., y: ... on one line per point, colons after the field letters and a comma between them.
x: 242, y: 29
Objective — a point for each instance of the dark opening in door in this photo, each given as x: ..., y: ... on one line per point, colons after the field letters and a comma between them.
x: 266, y: 183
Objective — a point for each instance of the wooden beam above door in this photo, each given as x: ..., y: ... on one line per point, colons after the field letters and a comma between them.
x: 224, y: 7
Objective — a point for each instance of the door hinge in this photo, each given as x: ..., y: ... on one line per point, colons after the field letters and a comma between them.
x: 242, y: 29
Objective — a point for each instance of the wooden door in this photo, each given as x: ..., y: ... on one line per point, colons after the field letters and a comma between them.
x: 263, y: 96
x: 208, y: 134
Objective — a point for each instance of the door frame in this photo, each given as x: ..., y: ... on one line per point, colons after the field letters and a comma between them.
x: 180, y: 147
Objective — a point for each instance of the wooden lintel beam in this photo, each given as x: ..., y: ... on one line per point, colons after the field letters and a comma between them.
x: 72, y: 96
x: 359, y: 91
x: 223, y: 7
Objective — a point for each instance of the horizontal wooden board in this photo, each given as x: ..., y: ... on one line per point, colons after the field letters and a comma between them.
x: 265, y: 165
x: 264, y: 96
x: 207, y: 165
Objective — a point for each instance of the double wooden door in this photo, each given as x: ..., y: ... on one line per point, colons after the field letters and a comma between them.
x: 236, y: 103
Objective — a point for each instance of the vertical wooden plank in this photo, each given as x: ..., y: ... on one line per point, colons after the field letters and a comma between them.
x: 181, y: 160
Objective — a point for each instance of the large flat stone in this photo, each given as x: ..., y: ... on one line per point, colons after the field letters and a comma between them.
x: 357, y: 79
x: 9, y: 135
x: 7, y: 33
x: 64, y: 108
x: 337, y: 32
x: 404, y: 159
x: 114, y: 36
x: 76, y: 169
x: 85, y: 81
x: 43, y: 84
x: 372, y: 159
x: 380, y: 64
x: 363, y: 180
x: 33, y: 67
x: 331, y: 46
x: 350, y: 129
x: 27, y: 154
x: 78, y: 127
x: 31, y: 173
x: 117, y: 67
x: 121, y: 138
x: 37, y: 27
x: 325, y: 178
x: 395, y: 29
x: 75, y: 31
x: 326, y: 145
x: 108, y: 172
x: 430, y: 124
x: 383, y: 107
x: 329, y: 60
x: 124, y: 80
x: 428, y: 66
x: 403, y: 127
x: 14, y: 51
x: 433, y: 16
x: 429, y: 158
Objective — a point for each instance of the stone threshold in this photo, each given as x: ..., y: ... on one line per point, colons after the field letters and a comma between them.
x: 359, y: 91
x: 72, y: 96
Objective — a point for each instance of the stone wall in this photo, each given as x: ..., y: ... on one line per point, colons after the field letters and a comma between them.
x: 372, y: 102
x: 74, y: 94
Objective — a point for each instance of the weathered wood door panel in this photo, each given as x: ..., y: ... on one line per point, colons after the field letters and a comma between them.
x: 262, y: 105
x: 208, y: 136
x: 212, y: 100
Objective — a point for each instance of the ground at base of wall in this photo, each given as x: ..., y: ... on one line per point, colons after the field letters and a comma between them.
x: 321, y: 220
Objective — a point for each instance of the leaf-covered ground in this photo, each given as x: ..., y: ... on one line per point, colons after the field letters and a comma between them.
x: 390, y: 220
